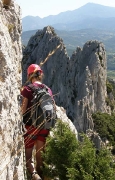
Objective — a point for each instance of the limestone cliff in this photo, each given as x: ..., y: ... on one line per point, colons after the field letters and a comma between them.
x: 78, y: 83
x: 11, y: 167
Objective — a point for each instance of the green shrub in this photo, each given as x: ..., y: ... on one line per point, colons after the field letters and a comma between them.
x: 104, y: 124
x: 109, y: 87
x: 66, y: 158
x: 104, y: 166
x: 60, y: 152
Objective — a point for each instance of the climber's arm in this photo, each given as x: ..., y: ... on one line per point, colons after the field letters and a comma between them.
x: 24, y: 105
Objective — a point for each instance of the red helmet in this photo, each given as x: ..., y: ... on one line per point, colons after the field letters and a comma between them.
x: 33, y: 68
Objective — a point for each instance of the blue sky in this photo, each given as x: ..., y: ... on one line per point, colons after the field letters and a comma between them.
x: 43, y: 8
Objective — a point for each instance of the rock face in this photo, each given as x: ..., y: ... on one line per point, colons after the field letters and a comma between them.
x: 11, y: 167
x: 78, y: 83
x: 61, y: 114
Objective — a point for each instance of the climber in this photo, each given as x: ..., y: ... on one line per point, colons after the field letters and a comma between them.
x: 33, y: 137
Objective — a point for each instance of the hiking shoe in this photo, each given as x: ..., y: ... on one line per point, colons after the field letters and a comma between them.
x: 35, y: 176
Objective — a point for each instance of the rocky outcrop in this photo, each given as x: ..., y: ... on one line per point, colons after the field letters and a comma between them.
x: 78, y: 83
x: 95, y: 138
x: 91, y: 83
x: 61, y: 115
x: 11, y: 167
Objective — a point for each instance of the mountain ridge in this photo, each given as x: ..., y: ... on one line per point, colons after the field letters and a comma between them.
x: 88, y: 11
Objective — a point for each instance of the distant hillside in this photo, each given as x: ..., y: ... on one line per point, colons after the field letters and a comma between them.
x: 26, y: 36
x: 90, y: 15
x: 72, y: 39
